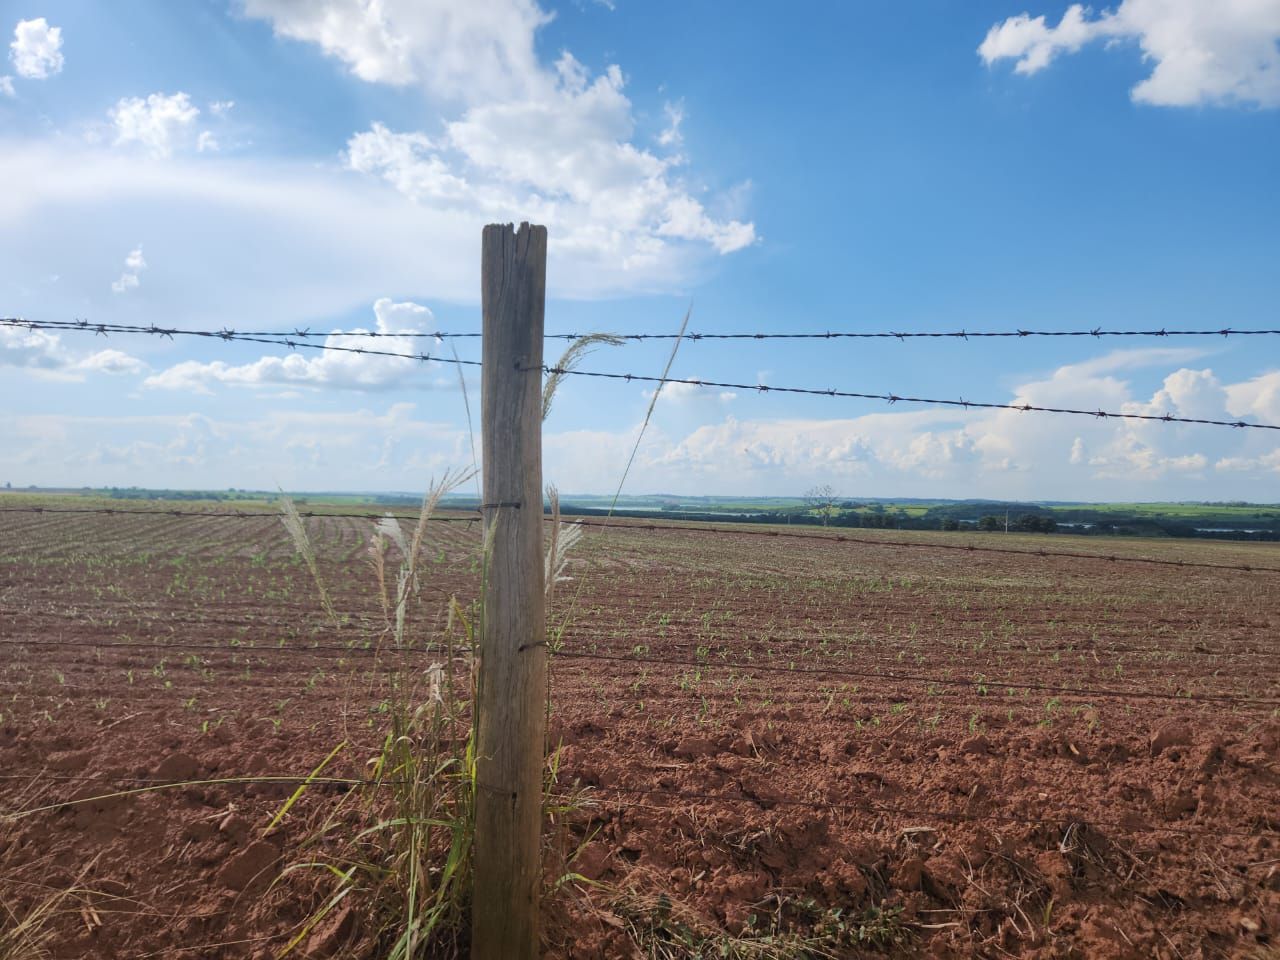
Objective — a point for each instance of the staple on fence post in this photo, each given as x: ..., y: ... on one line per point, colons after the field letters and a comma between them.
x: 511, y: 692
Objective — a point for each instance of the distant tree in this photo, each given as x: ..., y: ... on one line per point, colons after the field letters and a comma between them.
x: 881, y: 521
x: 822, y: 500
x: 990, y: 523
x: 1034, y: 523
x: 950, y: 523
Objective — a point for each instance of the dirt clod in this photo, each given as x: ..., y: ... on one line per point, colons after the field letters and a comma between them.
x: 908, y: 874
x: 177, y: 767
x: 331, y: 934
x: 691, y: 748
x: 253, y: 866
x: 72, y: 762
x: 1172, y: 734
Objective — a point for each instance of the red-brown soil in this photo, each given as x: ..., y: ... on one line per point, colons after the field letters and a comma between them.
x: 968, y: 754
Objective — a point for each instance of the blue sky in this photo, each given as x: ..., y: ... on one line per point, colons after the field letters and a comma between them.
x: 858, y: 166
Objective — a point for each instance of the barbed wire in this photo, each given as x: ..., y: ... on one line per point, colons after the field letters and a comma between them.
x: 893, y: 398
x: 641, y: 525
x: 305, y: 333
x: 904, y: 335
x: 293, y: 343
x: 833, y: 393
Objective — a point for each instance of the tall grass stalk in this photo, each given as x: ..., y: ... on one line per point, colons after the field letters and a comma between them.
x: 292, y: 521
x: 556, y: 635
x: 562, y: 538
x: 397, y: 850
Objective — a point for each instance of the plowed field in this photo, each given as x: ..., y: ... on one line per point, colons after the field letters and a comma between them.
x: 951, y: 754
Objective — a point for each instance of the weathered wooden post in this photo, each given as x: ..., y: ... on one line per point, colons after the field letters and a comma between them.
x: 512, y: 680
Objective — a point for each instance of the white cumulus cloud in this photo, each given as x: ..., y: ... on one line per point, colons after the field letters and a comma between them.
x: 550, y: 142
x: 111, y: 361
x: 1259, y: 397
x: 564, y: 161
x: 134, y: 264
x: 1201, y: 52
x: 43, y: 353
x: 690, y: 393
x: 453, y: 50
x: 325, y: 369
x: 290, y: 239
x: 36, y: 50
x: 671, y: 136
x: 159, y: 123
x: 973, y: 453
x: 408, y: 162
x: 6, y: 87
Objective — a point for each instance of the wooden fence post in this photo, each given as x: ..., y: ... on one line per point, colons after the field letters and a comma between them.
x: 511, y: 698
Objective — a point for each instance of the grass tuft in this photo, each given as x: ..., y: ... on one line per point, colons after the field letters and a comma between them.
x: 396, y: 851
x: 29, y: 934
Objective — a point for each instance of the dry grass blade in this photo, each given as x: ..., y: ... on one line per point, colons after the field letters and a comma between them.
x: 407, y: 582
x: 653, y: 402
x: 471, y: 430
x: 302, y: 543
x: 302, y: 788
x: 562, y: 539
x: 573, y: 355
x: 430, y: 504
x: 29, y: 936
